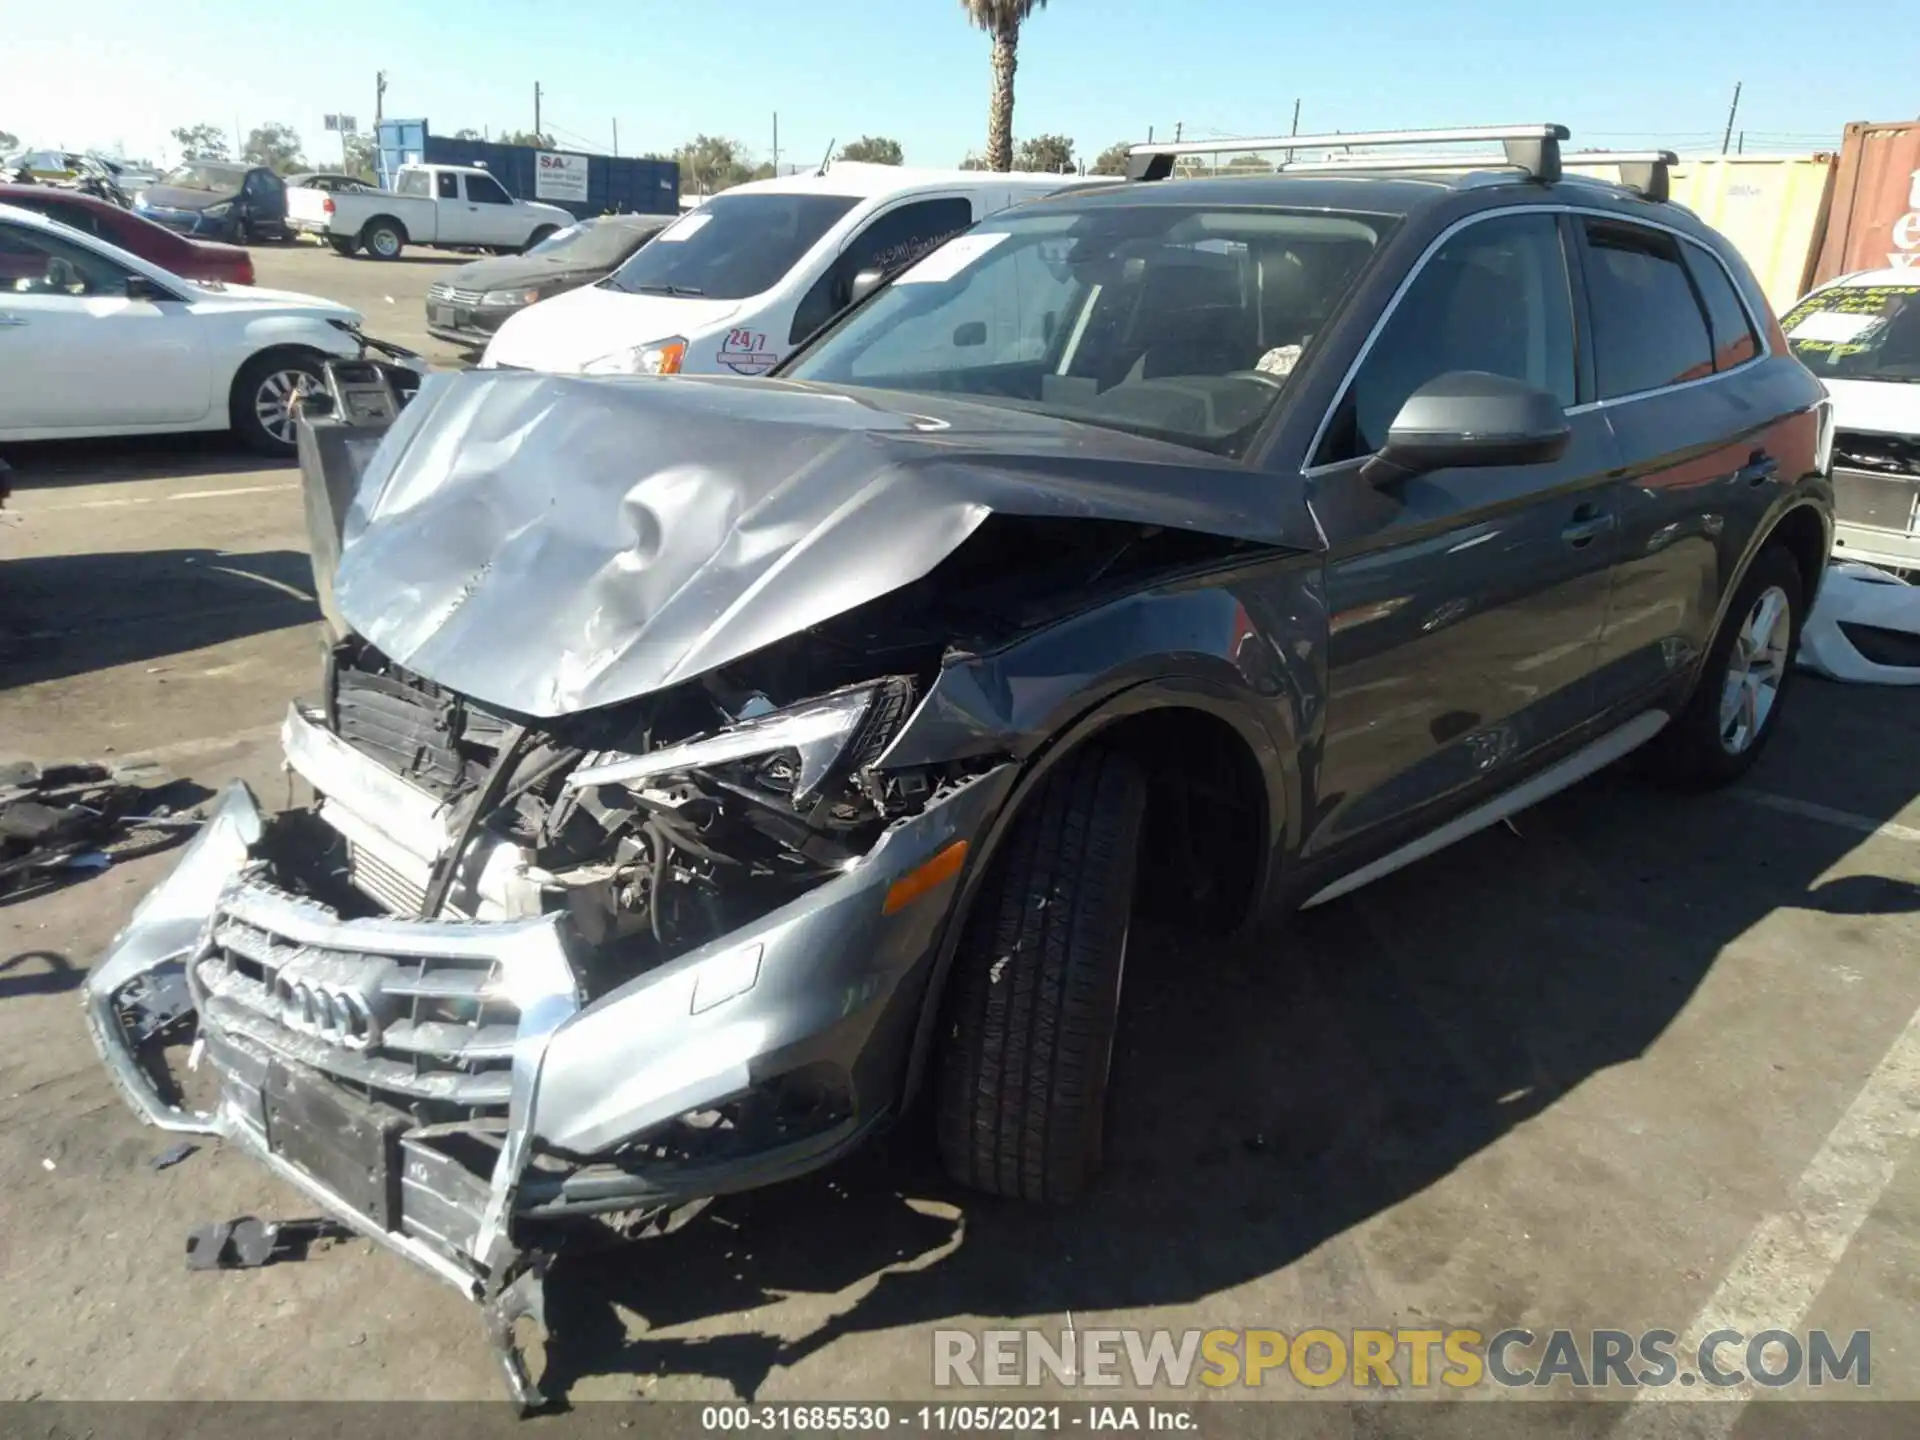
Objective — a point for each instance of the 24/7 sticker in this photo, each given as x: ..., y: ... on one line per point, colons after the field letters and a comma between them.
x: 745, y: 352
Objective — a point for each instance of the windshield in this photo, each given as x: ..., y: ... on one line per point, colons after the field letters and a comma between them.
x: 1858, y: 332
x: 593, y: 242
x: 219, y: 179
x: 731, y: 247
x: 1171, y: 321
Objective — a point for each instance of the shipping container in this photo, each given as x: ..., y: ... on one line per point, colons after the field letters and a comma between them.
x: 1772, y: 208
x: 1874, y: 221
x: 582, y: 183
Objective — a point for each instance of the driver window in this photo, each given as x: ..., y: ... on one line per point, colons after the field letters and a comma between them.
x: 1011, y: 315
x: 890, y: 242
x: 485, y: 190
x: 32, y: 263
x: 1494, y: 297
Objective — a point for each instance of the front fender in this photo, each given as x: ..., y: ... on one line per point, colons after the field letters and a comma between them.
x: 1246, y: 648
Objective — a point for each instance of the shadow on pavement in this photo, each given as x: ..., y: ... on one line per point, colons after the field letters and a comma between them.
x: 38, y: 972
x: 1304, y: 1084
x: 59, y: 464
x: 64, y: 615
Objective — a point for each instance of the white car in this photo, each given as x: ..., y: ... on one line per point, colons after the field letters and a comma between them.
x: 733, y: 286
x: 96, y: 341
x: 1861, y: 335
x: 449, y: 206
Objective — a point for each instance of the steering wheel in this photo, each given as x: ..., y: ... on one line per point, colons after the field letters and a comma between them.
x: 1278, y: 382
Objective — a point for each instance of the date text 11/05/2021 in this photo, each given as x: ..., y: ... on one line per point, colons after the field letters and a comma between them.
x: 868, y: 1419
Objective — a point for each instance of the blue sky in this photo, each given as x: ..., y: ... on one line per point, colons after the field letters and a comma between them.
x: 1630, y: 72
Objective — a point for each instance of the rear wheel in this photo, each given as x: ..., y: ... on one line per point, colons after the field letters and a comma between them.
x: 383, y: 239
x: 1736, y: 705
x: 242, y: 232
x: 261, y: 406
x: 1035, y: 996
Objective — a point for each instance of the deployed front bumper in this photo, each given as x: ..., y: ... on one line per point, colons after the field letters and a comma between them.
x: 311, y: 1024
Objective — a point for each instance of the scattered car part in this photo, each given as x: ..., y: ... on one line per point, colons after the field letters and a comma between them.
x: 248, y: 1243
x: 174, y: 1154
x: 57, y: 816
x: 1865, y: 628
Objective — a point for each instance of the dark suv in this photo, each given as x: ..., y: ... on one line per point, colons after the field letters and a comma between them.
x: 703, y: 766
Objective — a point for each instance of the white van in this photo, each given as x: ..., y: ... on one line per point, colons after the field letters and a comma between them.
x: 732, y: 286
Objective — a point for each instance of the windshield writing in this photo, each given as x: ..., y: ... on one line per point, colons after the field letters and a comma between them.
x: 1858, y: 332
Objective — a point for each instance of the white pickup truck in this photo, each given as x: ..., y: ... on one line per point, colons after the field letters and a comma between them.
x: 442, y: 206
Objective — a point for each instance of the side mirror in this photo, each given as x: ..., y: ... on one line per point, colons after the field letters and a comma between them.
x: 864, y: 284
x: 974, y: 332
x: 1469, y: 418
x: 139, y: 287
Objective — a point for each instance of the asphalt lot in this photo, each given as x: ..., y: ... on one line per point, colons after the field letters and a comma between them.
x: 1641, y: 1062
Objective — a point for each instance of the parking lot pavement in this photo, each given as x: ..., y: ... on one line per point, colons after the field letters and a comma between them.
x: 1651, y: 1060
x: 391, y: 294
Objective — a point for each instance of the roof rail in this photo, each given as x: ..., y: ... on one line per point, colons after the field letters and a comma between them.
x: 1534, y: 149
x: 1645, y: 172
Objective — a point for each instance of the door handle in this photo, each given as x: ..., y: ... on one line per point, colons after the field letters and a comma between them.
x: 1759, y: 469
x: 1588, y: 521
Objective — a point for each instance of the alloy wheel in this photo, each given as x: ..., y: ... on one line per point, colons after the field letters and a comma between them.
x: 1755, y: 669
x: 273, y: 401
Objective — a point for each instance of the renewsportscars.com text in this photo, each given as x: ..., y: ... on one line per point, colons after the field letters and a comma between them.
x: 1457, y: 1359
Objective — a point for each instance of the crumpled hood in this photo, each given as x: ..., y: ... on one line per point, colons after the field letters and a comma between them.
x: 549, y: 544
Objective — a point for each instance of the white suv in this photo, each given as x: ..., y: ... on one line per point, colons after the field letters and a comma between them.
x: 733, y: 286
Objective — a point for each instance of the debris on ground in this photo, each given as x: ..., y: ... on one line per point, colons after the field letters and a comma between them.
x: 75, y: 815
x: 248, y: 1243
x: 173, y: 1155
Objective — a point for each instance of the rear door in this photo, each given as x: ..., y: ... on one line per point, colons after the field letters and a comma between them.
x: 77, y: 353
x: 1675, y: 352
x: 1465, y: 605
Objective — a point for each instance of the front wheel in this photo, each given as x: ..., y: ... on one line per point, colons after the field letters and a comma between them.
x: 262, y: 404
x: 1736, y: 705
x: 1035, y: 997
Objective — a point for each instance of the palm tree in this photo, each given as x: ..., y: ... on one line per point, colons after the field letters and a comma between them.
x: 1002, y: 20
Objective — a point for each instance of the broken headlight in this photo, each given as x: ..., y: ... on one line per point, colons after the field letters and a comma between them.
x: 801, y: 747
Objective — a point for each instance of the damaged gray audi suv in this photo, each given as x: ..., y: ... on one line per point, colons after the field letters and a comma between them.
x: 704, y: 768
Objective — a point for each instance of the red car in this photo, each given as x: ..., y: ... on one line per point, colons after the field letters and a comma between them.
x: 190, y: 259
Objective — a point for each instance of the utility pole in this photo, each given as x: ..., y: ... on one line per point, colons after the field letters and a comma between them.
x: 1179, y: 129
x: 379, y: 101
x: 1733, y: 110
x: 776, y: 142
x: 616, y: 135
x: 1296, y: 125
x: 536, y: 111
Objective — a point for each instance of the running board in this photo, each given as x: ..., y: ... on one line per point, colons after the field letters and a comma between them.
x: 1555, y: 778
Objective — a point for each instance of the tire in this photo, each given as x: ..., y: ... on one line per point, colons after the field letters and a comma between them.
x: 383, y: 239
x: 1703, y: 749
x: 1033, y: 1003
x: 247, y: 406
x: 242, y: 235
x: 343, y: 244
x: 541, y: 234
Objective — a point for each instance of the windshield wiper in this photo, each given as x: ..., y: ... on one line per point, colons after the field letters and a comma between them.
x: 683, y: 290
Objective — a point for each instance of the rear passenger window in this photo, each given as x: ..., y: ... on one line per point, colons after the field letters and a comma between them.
x: 1734, y: 342
x: 449, y: 185
x: 1494, y: 297
x: 1648, y: 330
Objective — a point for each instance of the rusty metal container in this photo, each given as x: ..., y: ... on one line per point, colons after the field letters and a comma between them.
x: 1874, y: 220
